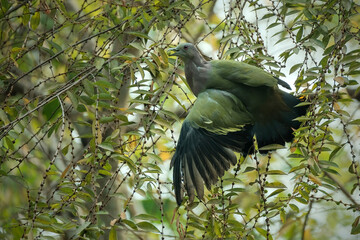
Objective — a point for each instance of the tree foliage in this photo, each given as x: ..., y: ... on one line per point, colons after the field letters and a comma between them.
x: 91, y: 107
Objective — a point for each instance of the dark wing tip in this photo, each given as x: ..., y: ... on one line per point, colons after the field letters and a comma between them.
x: 283, y: 83
x: 200, y: 159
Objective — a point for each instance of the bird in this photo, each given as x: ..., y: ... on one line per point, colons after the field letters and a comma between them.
x: 235, y: 103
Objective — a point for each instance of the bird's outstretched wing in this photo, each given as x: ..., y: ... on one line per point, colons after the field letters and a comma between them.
x: 219, y: 112
x: 217, y: 124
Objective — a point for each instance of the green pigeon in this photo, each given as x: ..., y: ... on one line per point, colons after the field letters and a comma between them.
x: 235, y: 102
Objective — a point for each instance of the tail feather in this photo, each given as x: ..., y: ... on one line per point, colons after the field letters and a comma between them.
x: 280, y: 129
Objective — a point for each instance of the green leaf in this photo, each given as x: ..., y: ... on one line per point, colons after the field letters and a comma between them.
x: 276, y: 192
x: 163, y: 123
x: 237, y: 190
x: 196, y: 225
x: 302, y: 119
x: 308, y: 14
x: 164, y: 56
x: 299, y: 34
x: 55, y: 46
x: 103, y: 96
x: 65, y: 149
x: 141, y: 71
x: 329, y: 170
x: 9, y: 143
x: 73, y: 99
x: 347, y: 4
x: 232, y: 180
x: 328, y: 163
x: 113, y: 233
x: 142, y: 101
x: 301, y: 200
x: 296, y: 168
x: 35, y: 20
x: 228, y: 37
x: 99, y: 62
x: 295, y: 67
x: 355, y: 227
x: 170, y: 114
x: 25, y: 16
x: 177, y: 100
x: 143, y: 92
x: 140, y: 35
x: 146, y: 217
x: 105, y: 84
x: 268, y: 15
x: 4, y: 117
x: 130, y: 223
x: 272, y: 147
x: 52, y: 110
x: 294, y: 207
x: 80, y: 228
x: 104, y: 172
x: 156, y: 59
x: 355, y: 122
x: 106, y: 146
x: 303, y: 104
x: 304, y: 194
x: 151, y: 67
x: 273, y: 25
x: 128, y: 160
x: 135, y: 110
x: 352, y: 168
x: 282, y: 216
x: 249, y: 169
x: 231, y: 50
x: 53, y: 128
x: 85, y: 99
x: 81, y: 108
x: 275, y: 185
x: 264, y: 233
x: 275, y: 172
x: 106, y: 119
x: 89, y: 89
x: 317, y: 42
x: 147, y: 226
x: 214, y: 201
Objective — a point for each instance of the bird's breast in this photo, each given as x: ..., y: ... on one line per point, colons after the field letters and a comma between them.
x: 197, y: 78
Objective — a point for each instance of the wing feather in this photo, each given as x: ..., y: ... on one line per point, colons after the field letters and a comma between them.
x: 240, y: 72
x: 208, y: 133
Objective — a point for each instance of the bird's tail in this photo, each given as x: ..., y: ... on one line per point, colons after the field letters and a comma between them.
x: 279, y: 129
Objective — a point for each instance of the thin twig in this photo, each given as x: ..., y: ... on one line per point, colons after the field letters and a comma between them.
x: 342, y: 188
x: 306, y: 220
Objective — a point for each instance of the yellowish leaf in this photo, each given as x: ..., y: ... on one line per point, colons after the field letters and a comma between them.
x: 113, y: 222
x: 307, y: 235
x: 315, y: 179
x: 65, y: 171
x: 26, y: 101
x: 341, y: 80
x: 336, y: 106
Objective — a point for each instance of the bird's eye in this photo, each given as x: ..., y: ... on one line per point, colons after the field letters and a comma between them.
x: 185, y: 47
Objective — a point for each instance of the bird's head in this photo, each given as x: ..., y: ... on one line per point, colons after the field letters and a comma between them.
x: 185, y: 51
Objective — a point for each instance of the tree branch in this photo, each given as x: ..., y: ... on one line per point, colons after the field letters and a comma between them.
x: 342, y: 189
x: 306, y: 220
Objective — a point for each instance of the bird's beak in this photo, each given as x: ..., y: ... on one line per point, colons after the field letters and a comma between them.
x: 172, y: 51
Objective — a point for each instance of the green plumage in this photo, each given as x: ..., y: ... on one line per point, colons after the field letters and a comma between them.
x: 236, y: 102
x: 219, y: 112
x: 233, y: 72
